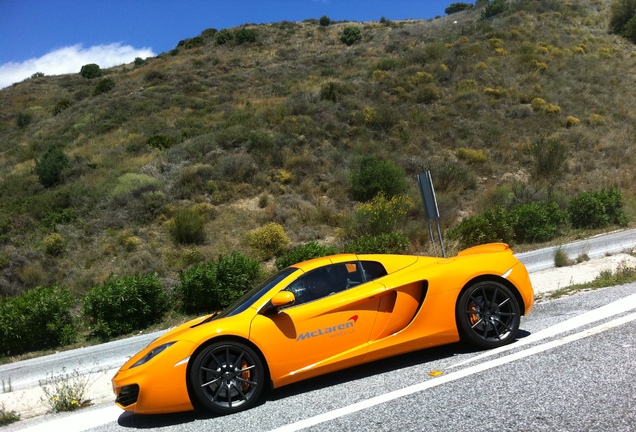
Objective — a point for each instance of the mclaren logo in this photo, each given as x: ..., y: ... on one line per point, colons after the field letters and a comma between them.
x: 333, y: 331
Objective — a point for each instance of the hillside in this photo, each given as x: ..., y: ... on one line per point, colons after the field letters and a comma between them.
x: 265, y: 128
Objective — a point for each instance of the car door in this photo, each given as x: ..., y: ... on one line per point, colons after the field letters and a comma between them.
x: 327, y: 329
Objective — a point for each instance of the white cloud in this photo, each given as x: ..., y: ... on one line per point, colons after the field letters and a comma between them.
x: 70, y: 60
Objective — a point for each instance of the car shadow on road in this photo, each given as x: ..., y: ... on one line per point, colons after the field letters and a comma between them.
x: 139, y: 421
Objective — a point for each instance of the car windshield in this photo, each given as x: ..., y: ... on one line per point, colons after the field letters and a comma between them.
x: 250, y: 297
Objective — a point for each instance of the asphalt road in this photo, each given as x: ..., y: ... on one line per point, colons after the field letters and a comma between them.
x: 572, y: 368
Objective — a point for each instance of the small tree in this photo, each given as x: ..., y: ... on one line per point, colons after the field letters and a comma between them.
x: 91, y: 71
x: 623, y: 19
x: 350, y: 35
x: 457, y: 7
x: 245, y: 35
x: 370, y: 176
x: 103, y: 86
x: 325, y: 21
x: 50, y: 167
x: 223, y: 36
x: 494, y: 7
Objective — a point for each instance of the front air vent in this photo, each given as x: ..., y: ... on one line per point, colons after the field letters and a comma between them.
x: 128, y: 395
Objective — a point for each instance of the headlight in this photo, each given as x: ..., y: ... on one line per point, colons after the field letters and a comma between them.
x: 151, y: 354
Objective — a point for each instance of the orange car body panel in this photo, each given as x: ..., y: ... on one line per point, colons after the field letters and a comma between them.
x: 411, y: 308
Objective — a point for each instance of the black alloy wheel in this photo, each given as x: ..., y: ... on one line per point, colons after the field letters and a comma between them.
x: 227, y: 377
x: 488, y: 314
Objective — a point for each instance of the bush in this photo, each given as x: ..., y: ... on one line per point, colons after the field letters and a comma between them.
x: 550, y: 155
x: 104, y: 86
x: 457, y: 7
x: 381, y: 215
x: 350, y: 35
x: 494, y: 7
x: 121, y: 306
x: 245, y: 35
x: 187, y: 227
x: 623, y: 19
x: 303, y: 253
x: 23, y: 119
x: 268, y: 241
x: 223, y: 36
x: 214, y: 285
x: 50, y: 167
x: 325, y: 21
x: 160, y: 142
x: 36, y: 320
x: 387, y: 243
x: 91, y: 71
x: 61, y: 106
x: 492, y: 226
x: 597, y: 209
x: 453, y: 177
x: 54, y: 244
x: 371, y: 176
x: 537, y: 222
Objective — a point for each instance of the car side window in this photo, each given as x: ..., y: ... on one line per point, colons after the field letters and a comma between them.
x: 325, y: 281
x: 373, y: 270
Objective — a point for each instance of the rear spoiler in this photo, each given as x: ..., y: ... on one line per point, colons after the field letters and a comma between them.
x: 485, y: 249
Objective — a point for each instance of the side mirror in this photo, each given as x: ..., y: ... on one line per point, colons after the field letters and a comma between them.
x: 283, y: 298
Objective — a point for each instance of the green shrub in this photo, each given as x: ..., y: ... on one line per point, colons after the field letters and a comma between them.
x: 61, y: 106
x: 268, y: 241
x: 597, y: 209
x: 36, y: 320
x: 303, y: 253
x: 160, y: 142
x: 54, y: 244
x: 549, y: 155
x: 104, y: 86
x: 187, y: 227
x: 121, y: 306
x: 223, y: 36
x: 194, y: 42
x: 91, y: 71
x: 245, y: 35
x: 325, y: 20
x: 370, y: 176
x: 214, y: 285
x: 453, y: 177
x: 457, y: 7
x: 350, y: 35
x: 623, y: 19
x: 23, y: 119
x: 492, y: 226
x: 494, y: 7
x: 537, y: 221
x: 381, y: 215
x: 387, y: 243
x: 50, y: 167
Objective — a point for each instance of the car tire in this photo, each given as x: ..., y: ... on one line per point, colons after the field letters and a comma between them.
x: 226, y: 377
x: 488, y: 315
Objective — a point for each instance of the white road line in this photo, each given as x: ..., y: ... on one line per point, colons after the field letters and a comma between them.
x: 434, y: 382
x: 623, y: 305
x: 79, y: 422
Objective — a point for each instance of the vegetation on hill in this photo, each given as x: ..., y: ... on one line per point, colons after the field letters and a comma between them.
x: 151, y: 168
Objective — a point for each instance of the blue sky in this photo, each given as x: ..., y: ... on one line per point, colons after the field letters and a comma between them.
x: 59, y: 36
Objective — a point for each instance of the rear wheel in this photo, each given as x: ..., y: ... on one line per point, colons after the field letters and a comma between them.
x: 227, y: 377
x: 488, y: 314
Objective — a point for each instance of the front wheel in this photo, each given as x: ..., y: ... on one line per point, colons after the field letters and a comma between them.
x: 488, y: 314
x: 227, y: 377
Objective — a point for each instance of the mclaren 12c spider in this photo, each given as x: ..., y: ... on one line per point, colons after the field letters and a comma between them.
x: 324, y: 315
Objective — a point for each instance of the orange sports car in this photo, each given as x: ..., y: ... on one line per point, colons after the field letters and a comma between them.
x: 324, y: 315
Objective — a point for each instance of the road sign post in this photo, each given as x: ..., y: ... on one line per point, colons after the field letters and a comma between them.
x: 427, y: 192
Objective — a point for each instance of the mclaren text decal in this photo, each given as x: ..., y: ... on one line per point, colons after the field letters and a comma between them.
x: 333, y: 331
